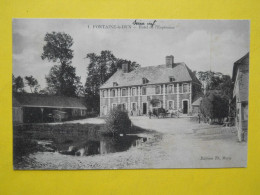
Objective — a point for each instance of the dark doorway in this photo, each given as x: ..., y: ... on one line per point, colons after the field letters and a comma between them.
x: 144, y: 108
x: 185, y: 106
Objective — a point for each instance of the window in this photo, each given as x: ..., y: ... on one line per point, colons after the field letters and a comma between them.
x: 124, y: 92
x: 133, y: 91
x: 180, y: 88
x: 157, y: 89
x: 143, y: 90
x: 170, y: 104
x: 115, y: 84
x: 172, y: 79
x: 145, y: 80
x: 113, y: 93
x: 175, y: 88
x: 185, y: 88
x: 104, y: 93
x: 134, y: 106
x: 170, y: 88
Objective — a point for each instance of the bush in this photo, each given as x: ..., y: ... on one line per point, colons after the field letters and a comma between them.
x: 214, y: 106
x: 117, y: 122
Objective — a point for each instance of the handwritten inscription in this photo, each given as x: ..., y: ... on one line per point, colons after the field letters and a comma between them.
x: 140, y: 23
x: 135, y: 25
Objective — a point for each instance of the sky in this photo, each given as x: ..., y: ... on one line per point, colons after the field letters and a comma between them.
x: 202, y: 44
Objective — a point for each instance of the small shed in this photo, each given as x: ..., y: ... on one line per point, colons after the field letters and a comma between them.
x: 37, y: 108
x: 196, y: 106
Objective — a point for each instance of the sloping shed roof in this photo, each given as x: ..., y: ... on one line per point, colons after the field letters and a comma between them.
x: 36, y: 100
x: 16, y: 103
x: 154, y: 74
x: 197, y: 102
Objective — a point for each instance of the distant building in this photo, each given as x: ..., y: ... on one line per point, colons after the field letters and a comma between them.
x: 240, y: 95
x: 173, y: 84
x: 35, y: 108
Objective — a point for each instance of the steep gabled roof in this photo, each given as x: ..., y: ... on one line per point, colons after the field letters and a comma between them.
x: 37, y: 100
x: 155, y: 75
x: 243, y: 60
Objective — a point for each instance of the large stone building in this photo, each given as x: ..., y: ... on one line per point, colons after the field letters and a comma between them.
x: 174, y: 85
x: 240, y: 95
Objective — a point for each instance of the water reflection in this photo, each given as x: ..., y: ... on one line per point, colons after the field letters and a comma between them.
x: 104, y: 145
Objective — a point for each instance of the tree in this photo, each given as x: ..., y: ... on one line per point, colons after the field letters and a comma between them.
x: 18, y: 84
x: 32, y: 83
x: 100, y: 69
x: 62, y: 78
x: 214, y: 106
x: 58, y: 47
x: 216, y: 81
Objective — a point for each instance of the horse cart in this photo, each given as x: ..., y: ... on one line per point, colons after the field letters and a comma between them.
x: 162, y: 113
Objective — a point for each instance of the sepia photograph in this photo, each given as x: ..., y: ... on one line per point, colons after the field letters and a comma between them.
x: 129, y: 93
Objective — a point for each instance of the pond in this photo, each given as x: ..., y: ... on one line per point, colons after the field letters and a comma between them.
x: 93, y: 146
x: 75, y: 140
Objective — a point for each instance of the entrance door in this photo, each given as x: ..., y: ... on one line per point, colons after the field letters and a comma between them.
x: 185, y: 106
x: 144, y: 108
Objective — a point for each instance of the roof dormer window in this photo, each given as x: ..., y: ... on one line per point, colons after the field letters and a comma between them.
x: 145, y: 81
x: 172, y: 79
x: 115, y: 84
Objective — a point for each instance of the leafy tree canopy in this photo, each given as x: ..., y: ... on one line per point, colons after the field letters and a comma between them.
x: 100, y: 68
x: 57, y: 47
x: 32, y: 83
x: 216, y: 81
x: 62, y: 78
x: 18, y: 84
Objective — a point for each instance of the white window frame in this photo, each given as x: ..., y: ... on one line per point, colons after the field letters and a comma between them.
x: 142, y: 90
x: 168, y: 104
x: 133, y: 88
x: 183, y: 87
x: 160, y: 89
x: 122, y: 92
x: 112, y: 92
x: 104, y: 93
x: 171, y: 85
x: 135, y: 106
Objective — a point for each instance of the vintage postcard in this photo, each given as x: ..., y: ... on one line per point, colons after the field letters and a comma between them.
x: 130, y: 93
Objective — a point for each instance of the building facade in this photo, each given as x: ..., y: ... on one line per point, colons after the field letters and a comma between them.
x: 174, y: 85
x: 240, y: 95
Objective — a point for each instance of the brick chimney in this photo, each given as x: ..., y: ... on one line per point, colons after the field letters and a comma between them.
x: 125, y: 68
x: 169, y: 61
